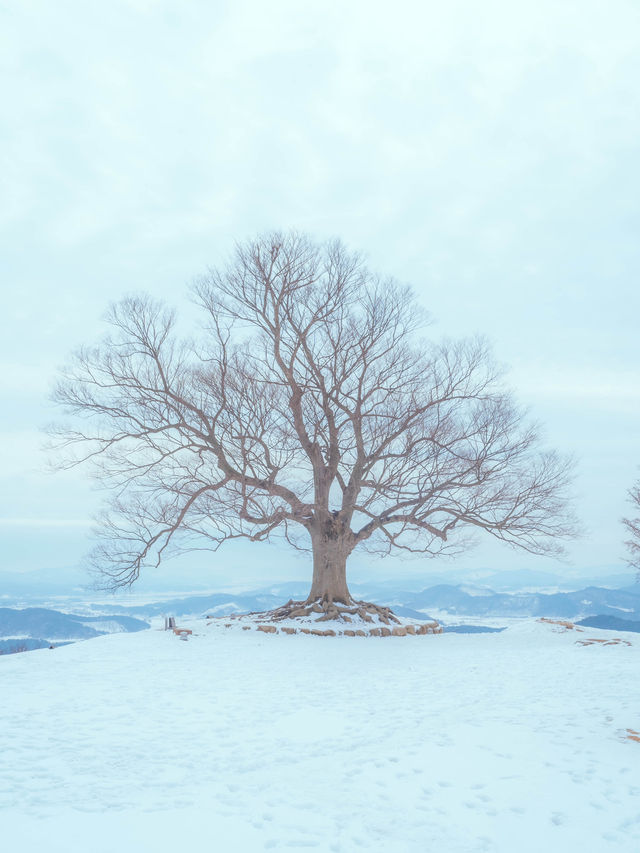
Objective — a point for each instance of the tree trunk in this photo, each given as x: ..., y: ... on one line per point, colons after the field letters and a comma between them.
x: 330, y: 569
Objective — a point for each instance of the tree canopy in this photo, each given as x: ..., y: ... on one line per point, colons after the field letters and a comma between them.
x: 632, y: 527
x: 312, y: 406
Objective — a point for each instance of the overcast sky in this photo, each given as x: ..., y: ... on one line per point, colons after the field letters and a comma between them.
x: 486, y: 153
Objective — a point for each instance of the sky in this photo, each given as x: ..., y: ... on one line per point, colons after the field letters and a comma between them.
x: 486, y: 154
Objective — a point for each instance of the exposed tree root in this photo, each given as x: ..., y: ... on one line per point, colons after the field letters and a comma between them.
x: 327, y: 611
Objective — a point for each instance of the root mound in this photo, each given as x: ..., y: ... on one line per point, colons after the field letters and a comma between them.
x: 330, y: 611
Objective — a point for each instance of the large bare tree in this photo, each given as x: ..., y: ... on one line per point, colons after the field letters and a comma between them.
x: 309, y: 407
x: 632, y: 526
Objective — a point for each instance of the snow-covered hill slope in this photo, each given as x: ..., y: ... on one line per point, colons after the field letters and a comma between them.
x: 53, y: 625
x: 239, y: 740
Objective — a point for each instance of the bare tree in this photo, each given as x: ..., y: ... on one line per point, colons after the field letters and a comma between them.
x: 308, y: 408
x: 632, y: 526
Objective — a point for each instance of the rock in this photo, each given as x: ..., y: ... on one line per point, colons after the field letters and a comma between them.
x: 385, y: 632
x: 399, y: 632
x: 432, y: 628
x: 362, y: 633
x: 305, y: 630
x: 374, y: 632
x: 410, y: 629
x: 268, y: 629
x: 246, y: 627
x: 288, y: 630
x: 348, y: 633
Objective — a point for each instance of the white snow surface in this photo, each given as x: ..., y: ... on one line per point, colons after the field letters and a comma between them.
x: 239, y: 740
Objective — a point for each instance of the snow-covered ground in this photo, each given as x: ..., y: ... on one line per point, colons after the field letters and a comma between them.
x: 245, y: 741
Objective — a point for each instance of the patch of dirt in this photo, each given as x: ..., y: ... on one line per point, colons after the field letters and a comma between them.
x: 612, y: 641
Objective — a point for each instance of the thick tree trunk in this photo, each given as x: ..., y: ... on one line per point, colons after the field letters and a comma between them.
x: 330, y: 569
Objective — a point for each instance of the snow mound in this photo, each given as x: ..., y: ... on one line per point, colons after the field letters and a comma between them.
x: 374, y: 625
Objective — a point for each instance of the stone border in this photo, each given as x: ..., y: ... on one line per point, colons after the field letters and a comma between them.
x: 399, y: 631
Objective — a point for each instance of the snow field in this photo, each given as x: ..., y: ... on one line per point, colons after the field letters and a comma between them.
x: 239, y: 740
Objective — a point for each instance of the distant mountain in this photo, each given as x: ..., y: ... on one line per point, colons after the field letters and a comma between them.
x: 449, y: 602
x: 463, y: 600
x: 219, y: 604
x: 42, y: 587
x: 610, y: 623
x: 39, y: 623
x: 591, y: 601
x: 632, y: 589
x: 24, y: 644
x: 515, y: 580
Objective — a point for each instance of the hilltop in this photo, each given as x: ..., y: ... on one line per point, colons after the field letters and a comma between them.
x: 241, y: 740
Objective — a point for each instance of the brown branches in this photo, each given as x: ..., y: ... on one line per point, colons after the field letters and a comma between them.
x: 632, y: 526
x: 310, y: 405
